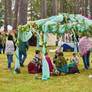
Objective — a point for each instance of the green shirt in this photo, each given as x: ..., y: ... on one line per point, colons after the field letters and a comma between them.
x: 23, y: 46
x: 61, y: 61
x: 72, y: 64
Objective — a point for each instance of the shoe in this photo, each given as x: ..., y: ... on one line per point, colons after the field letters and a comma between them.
x: 85, y: 69
x: 36, y: 78
x: 9, y: 69
x: 21, y: 64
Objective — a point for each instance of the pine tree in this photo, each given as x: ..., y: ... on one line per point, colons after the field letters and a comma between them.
x: 61, y: 6
x: 44, y: 9
x: 9, y: 12
x: 16, y: 10
x: 91, y: 8
x: 54, y: 7
x: 5, y: 15
x: 23, y: 12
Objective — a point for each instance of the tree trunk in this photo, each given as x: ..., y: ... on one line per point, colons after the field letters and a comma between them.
x: 83, y: 7
x: 16, y: 9
x: 77, y: 7
x: 64, y: 6
x: 23, y: 12
x: 9, y: 12
x: 54, y: 7
x: 91, y: 8
x: 44, y: 9
x: 61, y: 6
x: 5, y: 15
x: 86, y: 8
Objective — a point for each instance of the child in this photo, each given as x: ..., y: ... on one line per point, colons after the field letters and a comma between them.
x: 73, y: 69
x: 75, y: 59
x: 34, y: 67
x: 49, y: 63
x: 9, y: 50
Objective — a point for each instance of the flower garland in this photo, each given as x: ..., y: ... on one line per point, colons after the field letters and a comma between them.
x: 76, y: 25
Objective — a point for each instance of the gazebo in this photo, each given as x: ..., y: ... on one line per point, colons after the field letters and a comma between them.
x: 57, y: 25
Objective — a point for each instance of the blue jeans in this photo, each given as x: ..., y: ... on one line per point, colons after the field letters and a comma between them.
x: 0, y: 50
x: 86, y: 60
x: 4, y: 50
x: 10, y: 58
x: 22, y: 59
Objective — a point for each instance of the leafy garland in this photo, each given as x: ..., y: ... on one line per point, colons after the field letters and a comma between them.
x: 65, y: 22
x: 28, y: 26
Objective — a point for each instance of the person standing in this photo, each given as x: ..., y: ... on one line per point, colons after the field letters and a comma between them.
x: 23, y: 46
x: 9, y: 50
x: 84, y: 50
x: 3, y: 42
x: 0, y: 43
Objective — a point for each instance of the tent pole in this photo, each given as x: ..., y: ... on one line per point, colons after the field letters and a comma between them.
x: 38, y: 42
x: 45, y: 68
x: 17, y: 65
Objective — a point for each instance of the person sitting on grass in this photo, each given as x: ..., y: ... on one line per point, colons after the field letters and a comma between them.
x: 35, y: 65
x: 75, y: 58
x: 55, y: 57
x: 51, y: 66
x: 73, y: 69
x: 61, y: 64
x: 9, y: 50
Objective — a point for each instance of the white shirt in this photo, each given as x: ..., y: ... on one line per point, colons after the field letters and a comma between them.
x: 75, y: 59
x: 9, y: 47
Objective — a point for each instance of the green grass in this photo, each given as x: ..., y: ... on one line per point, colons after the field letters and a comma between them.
x: 25, y: 82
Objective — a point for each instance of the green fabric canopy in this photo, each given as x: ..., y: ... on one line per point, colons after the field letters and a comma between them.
x: 55, y: 24
x: 68, y: 21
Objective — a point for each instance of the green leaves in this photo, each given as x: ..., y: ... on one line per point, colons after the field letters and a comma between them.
x: 1, y: 17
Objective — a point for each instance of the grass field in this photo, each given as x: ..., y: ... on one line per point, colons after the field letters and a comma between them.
x: 25, y: 82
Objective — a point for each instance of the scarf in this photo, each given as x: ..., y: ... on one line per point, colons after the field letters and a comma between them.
x: 84, y: 45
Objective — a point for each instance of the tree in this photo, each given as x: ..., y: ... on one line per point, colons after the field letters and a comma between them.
x: 9, y: 12
x: 54, y: 2
x: 30, y: 9
x: 5, y: 15
x: 91, y: 8
x: 16, y: 9
x: 33, y: 9
x: 49, y: 8
x: 23, y: 12
x: 61, y: 6
x: 86, y: 7
x: 44, y: 9
x: 1, y: 14
x: 77, y: 6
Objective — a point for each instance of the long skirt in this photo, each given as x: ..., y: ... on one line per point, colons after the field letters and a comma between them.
x: 64, y: 69
x: 33, y: 69
x: 73, y: 69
